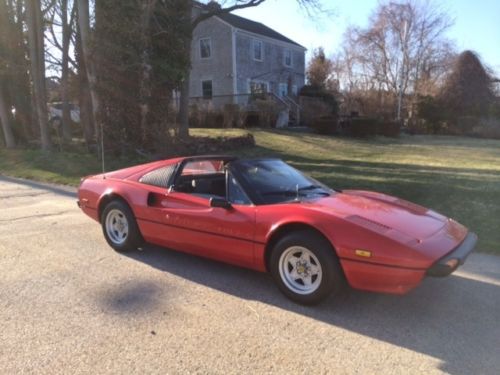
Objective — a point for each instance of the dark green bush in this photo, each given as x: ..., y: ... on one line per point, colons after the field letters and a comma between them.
x: 361, y: 127
x: 213, y: 119
x: 252, y: 119
x: 389, y: 128
x: 326, y: 96
x: 325, y: 124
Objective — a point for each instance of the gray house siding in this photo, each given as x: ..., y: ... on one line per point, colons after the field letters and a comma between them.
x: 231, y: 65
x: 219, y: 67
x: 272, y: 69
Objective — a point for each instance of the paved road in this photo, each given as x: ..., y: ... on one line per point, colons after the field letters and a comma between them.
x: 69, y: 304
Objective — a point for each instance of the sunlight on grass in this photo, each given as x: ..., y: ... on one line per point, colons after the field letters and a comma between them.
x: 457, y: 176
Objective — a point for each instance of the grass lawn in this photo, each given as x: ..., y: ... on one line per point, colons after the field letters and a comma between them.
x: 459, y: 177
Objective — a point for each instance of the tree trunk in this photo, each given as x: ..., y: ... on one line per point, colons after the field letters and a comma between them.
x: 66, y: 34
x: 145, y: 80
x: 84, y: 100
x: 36, y: 52
x: 184, y: 108
x: 184, y: 91
x: 20, y: 87
x: 5, y: 73
x: 84, y: 28
x: 5, y: 120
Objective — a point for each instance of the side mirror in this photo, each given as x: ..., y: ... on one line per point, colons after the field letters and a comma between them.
x: 220, y: 202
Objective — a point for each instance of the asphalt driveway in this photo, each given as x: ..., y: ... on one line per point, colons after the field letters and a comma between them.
x: 69, y: 304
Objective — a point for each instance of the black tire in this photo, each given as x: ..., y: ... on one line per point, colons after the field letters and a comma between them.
x: 332, y: 280
x: 133, y: 238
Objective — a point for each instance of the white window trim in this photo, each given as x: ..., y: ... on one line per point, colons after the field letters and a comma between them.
x: 211, y: 48
x: 254, y: 41
x: 291, y: 58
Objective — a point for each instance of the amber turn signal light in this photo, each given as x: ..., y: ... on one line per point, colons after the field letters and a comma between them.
x: 363, y: 253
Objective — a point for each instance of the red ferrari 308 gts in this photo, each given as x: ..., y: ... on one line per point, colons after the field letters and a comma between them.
x: 265, y: 215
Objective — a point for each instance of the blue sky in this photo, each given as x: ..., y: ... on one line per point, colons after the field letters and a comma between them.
x: 477, y: 23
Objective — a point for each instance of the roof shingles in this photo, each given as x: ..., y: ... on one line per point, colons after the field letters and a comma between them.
x: 254, y: 27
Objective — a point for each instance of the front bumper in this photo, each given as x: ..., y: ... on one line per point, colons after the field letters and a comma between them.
x: 450, y: 262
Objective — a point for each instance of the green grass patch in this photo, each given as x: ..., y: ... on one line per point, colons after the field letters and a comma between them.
x: 457, y: 176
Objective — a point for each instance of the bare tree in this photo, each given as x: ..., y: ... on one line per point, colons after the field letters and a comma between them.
x: 401, y: 50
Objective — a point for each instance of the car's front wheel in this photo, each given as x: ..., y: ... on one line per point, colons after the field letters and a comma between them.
x: 119, y: 227
x: 306, y: 268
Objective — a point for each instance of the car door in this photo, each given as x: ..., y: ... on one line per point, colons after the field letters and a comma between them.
x: 193, y: 225
x: 225, y: 234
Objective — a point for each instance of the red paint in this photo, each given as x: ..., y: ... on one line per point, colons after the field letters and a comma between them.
x: 405, y: 239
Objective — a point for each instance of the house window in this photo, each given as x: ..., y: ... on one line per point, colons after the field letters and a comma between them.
x: 294, y: 90
x: 205, y: 48
x: 257, y: 50
x: 288, y: 58
x: 206, y: 88
x: 258, y: 87
x: 283, y: 89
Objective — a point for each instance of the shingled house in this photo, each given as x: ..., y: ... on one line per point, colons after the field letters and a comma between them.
x: 232, y: 56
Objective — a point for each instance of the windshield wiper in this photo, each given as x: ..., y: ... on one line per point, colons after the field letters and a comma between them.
x: 314, y: 187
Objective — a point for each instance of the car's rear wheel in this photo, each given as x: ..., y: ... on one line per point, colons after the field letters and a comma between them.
x: 306, y: 268
x: 119, y: 227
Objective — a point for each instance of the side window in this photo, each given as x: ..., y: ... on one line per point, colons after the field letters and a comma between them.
x: 203, y: 167
x: 206, y: 89
x: 203, y: 178
x: 283, y: 89
x: 205, y: 48
x: 236, y: 195
x: 257, y: 50
x: 288, y: 58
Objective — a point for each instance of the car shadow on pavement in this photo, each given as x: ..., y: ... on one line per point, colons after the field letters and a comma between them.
x: 454, y: 319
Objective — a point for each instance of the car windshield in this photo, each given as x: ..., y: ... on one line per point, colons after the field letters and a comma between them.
x: 274, y: 181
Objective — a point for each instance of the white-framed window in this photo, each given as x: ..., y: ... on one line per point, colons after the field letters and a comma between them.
x: 287, y: 58
x: 257, y: 50
x: 258, y: 87
x: 206, y: 48
x: 207, y: 89
x: 283, y: 89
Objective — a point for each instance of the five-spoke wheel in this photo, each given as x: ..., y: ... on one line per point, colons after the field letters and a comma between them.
x: 305, y: 267
x: 116, y: 226
x: 119, y: 226
x: 300, y: 270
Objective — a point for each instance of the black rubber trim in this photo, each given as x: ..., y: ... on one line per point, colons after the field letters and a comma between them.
x: 461, y: 252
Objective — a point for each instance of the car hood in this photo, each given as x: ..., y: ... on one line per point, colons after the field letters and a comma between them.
x: 383, y: 213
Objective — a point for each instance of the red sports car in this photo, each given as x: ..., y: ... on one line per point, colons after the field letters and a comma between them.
x: 265, y: 215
